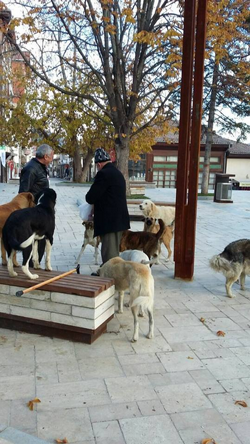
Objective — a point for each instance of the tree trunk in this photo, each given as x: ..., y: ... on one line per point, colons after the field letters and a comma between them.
x: 77, y: 167
x: 209, y: 137
x: 122, y: 156
x: 87, y: 162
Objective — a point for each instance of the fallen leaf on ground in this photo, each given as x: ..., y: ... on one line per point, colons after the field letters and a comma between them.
x: 242, y: 403
x: 190, y: 357
x: 64, y: 440
x: 208, y: 441
x: 220, y: 333
x: 202, y: 320
x: 31, y: 403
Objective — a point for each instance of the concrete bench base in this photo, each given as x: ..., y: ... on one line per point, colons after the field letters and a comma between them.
x: 76, y: 307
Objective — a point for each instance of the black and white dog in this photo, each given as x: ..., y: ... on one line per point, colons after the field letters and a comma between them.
x: 24, y: 228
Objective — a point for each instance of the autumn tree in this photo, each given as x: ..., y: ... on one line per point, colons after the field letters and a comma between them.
x: 121, y: 48
x: 227, y: 72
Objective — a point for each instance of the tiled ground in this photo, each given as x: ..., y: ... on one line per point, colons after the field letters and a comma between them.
x: 179, y: 387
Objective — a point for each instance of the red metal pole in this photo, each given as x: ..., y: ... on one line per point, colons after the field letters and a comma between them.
x: 184, y: 134
x: 188, y: 157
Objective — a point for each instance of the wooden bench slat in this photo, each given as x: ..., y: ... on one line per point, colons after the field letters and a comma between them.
x: 76, y: 284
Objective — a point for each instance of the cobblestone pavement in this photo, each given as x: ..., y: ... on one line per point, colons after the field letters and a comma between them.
x: 179, y: 387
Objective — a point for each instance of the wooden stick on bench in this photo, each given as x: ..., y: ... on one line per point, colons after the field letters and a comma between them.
x: 41, y: 284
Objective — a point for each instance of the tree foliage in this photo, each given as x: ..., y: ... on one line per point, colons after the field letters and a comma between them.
x: 227, y: 72
x: 121, y: 57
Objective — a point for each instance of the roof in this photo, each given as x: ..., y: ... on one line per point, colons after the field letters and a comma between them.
x: 235, y: 148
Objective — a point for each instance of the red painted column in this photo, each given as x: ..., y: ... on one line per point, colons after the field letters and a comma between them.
x: 188, y: 154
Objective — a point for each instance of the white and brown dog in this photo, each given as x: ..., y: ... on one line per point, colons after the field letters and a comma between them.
x: 149, y: 209
x: 138, y: 279
x: 89, y: 239
x: 234, y: 263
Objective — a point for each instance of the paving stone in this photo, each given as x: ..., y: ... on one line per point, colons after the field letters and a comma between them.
x: 179, y: 398
x: 150, y: 430
x: 242, y: 431
x: 108, y: 433
x: 111, y: 412
x: 72, y: 423
x: 181, y: 361
x: 129, y: 389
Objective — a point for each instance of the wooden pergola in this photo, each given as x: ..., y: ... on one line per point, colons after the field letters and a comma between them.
x: 189, y: 136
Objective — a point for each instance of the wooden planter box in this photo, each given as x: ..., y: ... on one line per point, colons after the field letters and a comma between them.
x: 76, y: 307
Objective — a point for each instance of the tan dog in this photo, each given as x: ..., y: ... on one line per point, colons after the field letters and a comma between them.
x: 149, y: 209
x: 149, y: 243
x: 89, y: 239
x: 22, y: 200
x: 138, y: 279
x: 151, y: 225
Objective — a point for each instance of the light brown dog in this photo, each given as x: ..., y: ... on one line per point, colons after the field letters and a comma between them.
x: 141, y: 240
x: 138, y: 279
x: 22, y: 200
x: 151, y: 225
x: 89, y: 239
x: 149, y: 209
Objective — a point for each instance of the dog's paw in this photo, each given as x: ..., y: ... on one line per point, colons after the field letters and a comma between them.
x: 150, y: 336
x: 16, y: 264
x: 141, y: 314
x: 48, y: 268
x: 13, y: 274
x: 34, y: 276
x: 119, y: 311
x: 37, y: 266
x: 127, y: 304
x: 134, y: 339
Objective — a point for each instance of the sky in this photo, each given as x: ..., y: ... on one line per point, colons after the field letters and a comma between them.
x: 17, y: 12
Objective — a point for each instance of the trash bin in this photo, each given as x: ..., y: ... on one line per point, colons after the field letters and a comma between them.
x: 223, y: 188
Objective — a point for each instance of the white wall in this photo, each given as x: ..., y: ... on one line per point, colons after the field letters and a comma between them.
x: 239, y: 167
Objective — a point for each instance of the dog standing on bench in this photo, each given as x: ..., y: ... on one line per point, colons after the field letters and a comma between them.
x: 24, y: 227
x: 89, y: 239
x: 22, y: 200
x: 136, y: 278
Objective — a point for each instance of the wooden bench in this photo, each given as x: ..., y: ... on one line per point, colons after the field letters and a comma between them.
x: 76, y: 307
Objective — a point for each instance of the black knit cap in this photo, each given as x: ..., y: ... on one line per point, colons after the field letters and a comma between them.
x: 101, y: 155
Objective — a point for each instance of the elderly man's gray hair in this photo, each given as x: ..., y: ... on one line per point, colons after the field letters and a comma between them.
x: 42, y: 150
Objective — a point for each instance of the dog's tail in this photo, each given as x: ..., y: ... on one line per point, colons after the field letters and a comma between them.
x: 162, y: 227
x: 220, y: 264
x: 142, y: 301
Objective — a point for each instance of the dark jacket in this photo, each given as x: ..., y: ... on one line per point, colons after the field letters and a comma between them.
x: 34, y: 177
x: 108, y: 194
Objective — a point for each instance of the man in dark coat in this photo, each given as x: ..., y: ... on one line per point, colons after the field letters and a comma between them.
x: 34, y: 175
x: 34, y: 178
x: 108, y: 195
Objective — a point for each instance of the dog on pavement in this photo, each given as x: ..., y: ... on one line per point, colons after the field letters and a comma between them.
x: 135, y: 256
x: 234, y: 263
x: 22, y: 200
x: 89, y: 239
x: 151, y: 225
x: 136, y: 278
x: 149, y: 243
x: 149, y: 209
x: 24, y: 227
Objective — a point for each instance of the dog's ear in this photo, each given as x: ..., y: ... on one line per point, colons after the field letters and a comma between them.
x: 84, y: 222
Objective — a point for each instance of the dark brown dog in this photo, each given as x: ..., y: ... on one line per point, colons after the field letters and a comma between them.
x: 151, y: 226
x: 141, y: 240
x: 22, y: 200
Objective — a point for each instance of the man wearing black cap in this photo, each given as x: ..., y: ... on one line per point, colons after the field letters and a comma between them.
x: 108, y: 195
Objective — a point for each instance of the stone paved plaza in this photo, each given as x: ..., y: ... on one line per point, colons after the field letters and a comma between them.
x: 179, y: 387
